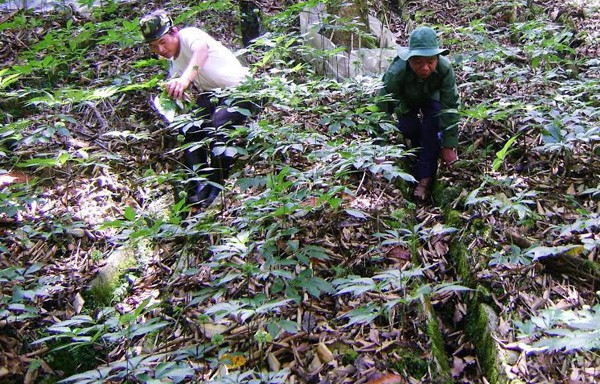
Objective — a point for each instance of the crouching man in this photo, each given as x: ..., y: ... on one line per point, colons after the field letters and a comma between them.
x: 422, y: 84
x: 200, y: 66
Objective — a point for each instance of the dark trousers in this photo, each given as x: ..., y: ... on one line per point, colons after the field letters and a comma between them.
x: 424, y: 133
x: 212, y: 135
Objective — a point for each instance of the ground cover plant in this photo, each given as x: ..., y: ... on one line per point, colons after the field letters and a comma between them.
x: 316, y: 266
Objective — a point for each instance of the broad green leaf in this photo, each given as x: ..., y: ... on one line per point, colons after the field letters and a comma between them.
x: 129, y: 213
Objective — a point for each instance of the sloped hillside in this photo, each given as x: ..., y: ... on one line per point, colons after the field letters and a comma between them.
x: 316, y: 266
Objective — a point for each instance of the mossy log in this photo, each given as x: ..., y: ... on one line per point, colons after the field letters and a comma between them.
x: 102, y: 288
x: 437, y: 342
x: 481, y: 324
x: 481, y: 320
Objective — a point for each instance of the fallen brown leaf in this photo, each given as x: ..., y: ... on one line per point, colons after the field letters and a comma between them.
x: 388, y: 378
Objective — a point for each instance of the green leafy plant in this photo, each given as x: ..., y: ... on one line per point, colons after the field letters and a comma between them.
x: 412, y: 237
x: 545, y: 44
x: 244, y: 309
x: 518, y: 205
x: 252, y: 377
x: 513, y: 256
x: 7, y: 78
x: 389, y: 289
x: 160, y: 367
x: 344, y: 159
x: 26, y: 288
x: 559, y: 330
x: 586, y: 223
x: 109, y: 328
x: 137, y: 225
x: 501, y: 155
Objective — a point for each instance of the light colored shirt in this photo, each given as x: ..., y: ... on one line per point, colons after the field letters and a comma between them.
x: 221, y: 70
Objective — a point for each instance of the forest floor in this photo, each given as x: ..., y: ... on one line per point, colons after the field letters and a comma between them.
x: 206, y: 281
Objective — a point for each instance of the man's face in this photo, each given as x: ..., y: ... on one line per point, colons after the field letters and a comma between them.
x: 423, y: 66
x: 166, y: 46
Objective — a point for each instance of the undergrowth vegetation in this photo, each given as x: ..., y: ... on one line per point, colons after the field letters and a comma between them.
x: 316, y: 265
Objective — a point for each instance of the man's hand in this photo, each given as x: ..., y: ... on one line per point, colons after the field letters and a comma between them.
x: 449, y: 156
x: 176, y: 87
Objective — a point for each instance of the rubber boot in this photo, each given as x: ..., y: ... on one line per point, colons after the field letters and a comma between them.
x: 200, y: 193
x: 222, y: 165
x: 197, y: 191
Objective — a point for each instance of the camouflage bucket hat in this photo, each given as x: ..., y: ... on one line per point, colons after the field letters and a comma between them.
x: 422, y: 42
x: 155, y: 25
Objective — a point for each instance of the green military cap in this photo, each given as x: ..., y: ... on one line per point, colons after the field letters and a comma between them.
x: 155, y: 25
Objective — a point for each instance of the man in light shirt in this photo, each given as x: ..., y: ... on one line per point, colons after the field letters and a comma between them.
x: 202, y: 66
